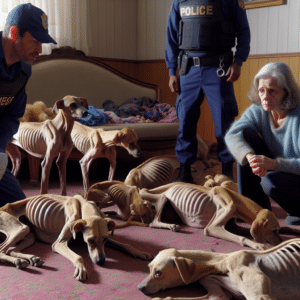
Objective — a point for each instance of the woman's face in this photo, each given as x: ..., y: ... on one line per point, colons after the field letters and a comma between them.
x: 270, y: 94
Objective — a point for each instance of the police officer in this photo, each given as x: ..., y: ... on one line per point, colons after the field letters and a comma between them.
x: 25, y: 30
x: 200, y: 38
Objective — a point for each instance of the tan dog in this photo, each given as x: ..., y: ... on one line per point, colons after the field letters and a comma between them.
x: 154, y: 172
x: 254, y: 275
x: 96, y: 143
x: 56, y: 219
x: 211, y: 209
x: 49, y: 139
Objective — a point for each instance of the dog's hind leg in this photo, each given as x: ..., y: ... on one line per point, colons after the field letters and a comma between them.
x: 18, y: 262
x: 27, y: 241
x: 15, y: 157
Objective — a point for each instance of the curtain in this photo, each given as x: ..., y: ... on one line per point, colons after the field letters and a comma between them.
x: 67, y: 21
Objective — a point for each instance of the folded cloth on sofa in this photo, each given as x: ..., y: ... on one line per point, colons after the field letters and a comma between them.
x: 124, y: 110
x: 95, y: 117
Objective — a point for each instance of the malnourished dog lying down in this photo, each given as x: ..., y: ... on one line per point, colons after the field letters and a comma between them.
x: 211, y: 209
x: 272, y: 274
x: 56, y: 219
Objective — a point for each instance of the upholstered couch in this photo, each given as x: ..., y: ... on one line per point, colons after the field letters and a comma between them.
x: 67, y: 71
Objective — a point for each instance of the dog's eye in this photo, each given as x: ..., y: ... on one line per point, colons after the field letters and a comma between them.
x: 157, y: 274
x: 73, y: 105
x: 91, y: 241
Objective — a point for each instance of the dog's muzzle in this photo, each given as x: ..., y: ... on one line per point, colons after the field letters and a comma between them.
x: 101, y: 260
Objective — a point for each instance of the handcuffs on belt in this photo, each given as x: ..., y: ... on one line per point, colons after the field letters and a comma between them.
x: 221, y: 71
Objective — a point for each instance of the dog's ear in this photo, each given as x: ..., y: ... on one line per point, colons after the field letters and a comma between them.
x: 59, y: 104
x: 110, y: 225
x: 186, y: 268
x: 77, y: 226
x: 84, y: 103
x: 118, y: 138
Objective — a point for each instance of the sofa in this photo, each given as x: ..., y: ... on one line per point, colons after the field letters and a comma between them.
x: 67, y: 71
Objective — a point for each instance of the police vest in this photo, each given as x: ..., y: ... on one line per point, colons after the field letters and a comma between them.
x: 203, y: 27
x: 10, y: 88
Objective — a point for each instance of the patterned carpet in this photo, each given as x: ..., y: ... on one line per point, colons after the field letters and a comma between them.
x: 119, y: 277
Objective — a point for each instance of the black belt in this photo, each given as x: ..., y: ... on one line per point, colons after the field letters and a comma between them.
x: 210, y: 60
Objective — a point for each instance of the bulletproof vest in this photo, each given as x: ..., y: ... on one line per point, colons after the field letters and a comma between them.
x: 10, y: 88
x: 203, y: 27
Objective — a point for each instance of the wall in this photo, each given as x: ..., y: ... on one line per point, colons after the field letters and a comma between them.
x: 130, y: 36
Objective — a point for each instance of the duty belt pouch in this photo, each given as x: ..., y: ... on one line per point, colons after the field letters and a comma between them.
x: 184, y: 64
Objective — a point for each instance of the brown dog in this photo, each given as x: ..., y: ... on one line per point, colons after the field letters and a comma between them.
x: 96, y: 143
x: 49, y: 139
x: 255, y: 275
x: 56, y: 219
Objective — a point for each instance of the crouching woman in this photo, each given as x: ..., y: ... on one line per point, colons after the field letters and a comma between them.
x: 265, y: 141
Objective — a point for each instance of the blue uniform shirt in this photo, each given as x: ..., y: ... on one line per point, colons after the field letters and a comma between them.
x: 232, y: 11
x: 10, y: 112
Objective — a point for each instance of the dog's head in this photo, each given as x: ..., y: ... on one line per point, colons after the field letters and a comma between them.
x: 128, y: 139
x: 265, y: 228
x: 95, y: 231
x: 77, y: 106
x: 168, y: 269
x: 143, y: 212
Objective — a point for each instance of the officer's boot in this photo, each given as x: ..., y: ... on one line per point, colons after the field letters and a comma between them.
x: 185, y: 174
x: 227, y: 169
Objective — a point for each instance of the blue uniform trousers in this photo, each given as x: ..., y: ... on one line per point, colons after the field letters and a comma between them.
x: 10, y: 190
x: 220, y: 96
x: 283, y: 188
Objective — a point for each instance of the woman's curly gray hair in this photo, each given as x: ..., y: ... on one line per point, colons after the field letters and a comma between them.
x: 284, y: 77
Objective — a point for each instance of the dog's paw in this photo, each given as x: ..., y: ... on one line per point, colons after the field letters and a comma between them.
x: 259, y: 246
x: 175, y: 227
x: 36, y: 261
x: 80, y: 273
x: 21, y: 263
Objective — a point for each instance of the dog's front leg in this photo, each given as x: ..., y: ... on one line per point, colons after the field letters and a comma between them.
x: 111, y: 155
x: 159, y: 201
x: 15, y: 157
x: 85, y: 164
x: 129, y: 249
x: 72, y: 212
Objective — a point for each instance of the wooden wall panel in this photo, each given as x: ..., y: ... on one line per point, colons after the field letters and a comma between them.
x: 156, y: 72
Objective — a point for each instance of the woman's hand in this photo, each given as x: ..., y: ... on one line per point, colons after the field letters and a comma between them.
x: 260, y: 164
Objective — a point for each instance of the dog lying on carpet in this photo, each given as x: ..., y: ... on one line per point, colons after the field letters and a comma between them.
x: 56, y: 219
x: 211, y: 209
x: 272, y: 274
x: 49, y: 139
x: 95, y: 143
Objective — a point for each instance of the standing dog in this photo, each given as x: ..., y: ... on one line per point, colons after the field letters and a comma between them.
x: 96, y: 143
x: 49, y: 139
x: 56, y: 219
x: 272, y: 274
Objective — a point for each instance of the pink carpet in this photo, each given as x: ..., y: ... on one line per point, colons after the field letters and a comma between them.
x: 119, y: 277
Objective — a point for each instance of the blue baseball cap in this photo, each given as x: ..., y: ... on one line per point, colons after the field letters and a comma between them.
x: 32, y: 19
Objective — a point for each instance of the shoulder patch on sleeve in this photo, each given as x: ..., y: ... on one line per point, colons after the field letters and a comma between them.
x: 241, y: 4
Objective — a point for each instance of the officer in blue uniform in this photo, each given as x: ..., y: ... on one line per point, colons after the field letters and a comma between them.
x: 25, y: 30
x: 200, y: 38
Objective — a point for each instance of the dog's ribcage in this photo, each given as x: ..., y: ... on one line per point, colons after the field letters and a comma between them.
x: 157, y: 173
x: 193, y: 206
x: 32, y: 140
x: 46, y: 214
x: 283, y: 267
x: 80, y: 141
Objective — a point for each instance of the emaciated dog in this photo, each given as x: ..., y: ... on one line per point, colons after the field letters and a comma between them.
x: 95, y: 143
x: 272, y: 274
x: 49, y: 139
x: 56, y: 219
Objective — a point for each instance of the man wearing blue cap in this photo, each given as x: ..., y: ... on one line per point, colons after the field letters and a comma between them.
x: 25, y: 30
